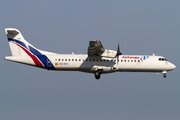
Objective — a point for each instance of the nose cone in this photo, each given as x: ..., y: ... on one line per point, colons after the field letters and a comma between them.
x: 173, y: 66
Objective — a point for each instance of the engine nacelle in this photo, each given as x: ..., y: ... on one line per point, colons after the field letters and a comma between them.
x: 109, y: 53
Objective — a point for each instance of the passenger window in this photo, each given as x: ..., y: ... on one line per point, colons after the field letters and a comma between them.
x: 124, y: 60
x: 134, y: 60
x: 72, y: 59
x: 97, y: 60
x: 128, y: 60
x: 131, y: 60
x: 75, y: 59
x: 69, y: 59
x: 65, y: 59
x: 100, y: 60
x: 59, y: 59
x: 121, y: 60
x: 90, y: 60
x: 79, y: 59
x: 104, y: 60
x: 138, y: 60
x: 93, y: 60
x: 62, y: 59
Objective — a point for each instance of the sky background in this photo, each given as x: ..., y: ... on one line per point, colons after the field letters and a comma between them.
x: 141, y: 27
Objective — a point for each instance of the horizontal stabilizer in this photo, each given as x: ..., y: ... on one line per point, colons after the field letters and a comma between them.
x: 12, y: 31
x: 13, y: 58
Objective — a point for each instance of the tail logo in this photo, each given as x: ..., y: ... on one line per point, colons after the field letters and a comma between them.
x: 39, y: 59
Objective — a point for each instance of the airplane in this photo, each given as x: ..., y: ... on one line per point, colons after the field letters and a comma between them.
x: 97, y: 60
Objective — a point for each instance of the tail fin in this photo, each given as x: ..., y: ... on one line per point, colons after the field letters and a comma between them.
x: 18, y: 44
x: 24, y: 52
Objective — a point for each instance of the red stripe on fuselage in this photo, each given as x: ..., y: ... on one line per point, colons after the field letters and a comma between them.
x: 34, y: 58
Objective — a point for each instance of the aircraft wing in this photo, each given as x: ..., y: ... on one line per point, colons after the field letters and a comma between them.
x: 95, y: 48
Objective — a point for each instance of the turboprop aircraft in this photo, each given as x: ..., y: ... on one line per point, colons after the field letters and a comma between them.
x: 97, y: 60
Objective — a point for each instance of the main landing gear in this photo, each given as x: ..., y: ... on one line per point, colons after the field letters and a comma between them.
x: 97, y: 74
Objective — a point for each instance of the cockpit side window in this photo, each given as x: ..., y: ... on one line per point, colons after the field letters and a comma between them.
x: 162, y: 59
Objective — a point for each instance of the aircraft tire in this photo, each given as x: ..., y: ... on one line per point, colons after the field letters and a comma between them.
x: 97, y: 74
x: 164, y: 75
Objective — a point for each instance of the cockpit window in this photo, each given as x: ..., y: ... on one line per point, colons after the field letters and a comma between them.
x: 162, y: 59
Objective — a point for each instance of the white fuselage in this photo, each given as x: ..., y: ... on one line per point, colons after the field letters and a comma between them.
x: 127, y: 63
x: 83, y: 63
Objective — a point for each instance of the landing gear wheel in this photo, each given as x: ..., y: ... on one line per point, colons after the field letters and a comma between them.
x: 97, y: 74
x: 164, y: 75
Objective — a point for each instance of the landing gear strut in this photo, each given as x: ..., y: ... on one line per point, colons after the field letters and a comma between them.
x: 97, y: 74
x: 164, y: 72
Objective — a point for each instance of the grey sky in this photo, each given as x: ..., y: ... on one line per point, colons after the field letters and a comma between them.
x: 139, y: 26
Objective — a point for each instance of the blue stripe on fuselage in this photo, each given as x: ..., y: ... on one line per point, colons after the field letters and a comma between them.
x: 43, y: 58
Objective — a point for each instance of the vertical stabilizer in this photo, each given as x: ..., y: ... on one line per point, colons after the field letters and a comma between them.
x: 24, y: 52
x: 17, y: 42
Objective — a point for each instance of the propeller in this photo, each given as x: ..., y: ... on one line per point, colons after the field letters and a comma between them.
x: 117, y: 56
x: 118, y: 53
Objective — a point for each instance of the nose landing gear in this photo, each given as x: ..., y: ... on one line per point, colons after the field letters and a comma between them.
x: 164, y: 75
x: 164, y: 72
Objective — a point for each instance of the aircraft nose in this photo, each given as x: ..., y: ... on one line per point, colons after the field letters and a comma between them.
x: 173, y: 66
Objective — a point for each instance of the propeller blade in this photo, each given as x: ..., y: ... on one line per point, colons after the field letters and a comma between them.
x: 118, y: 53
